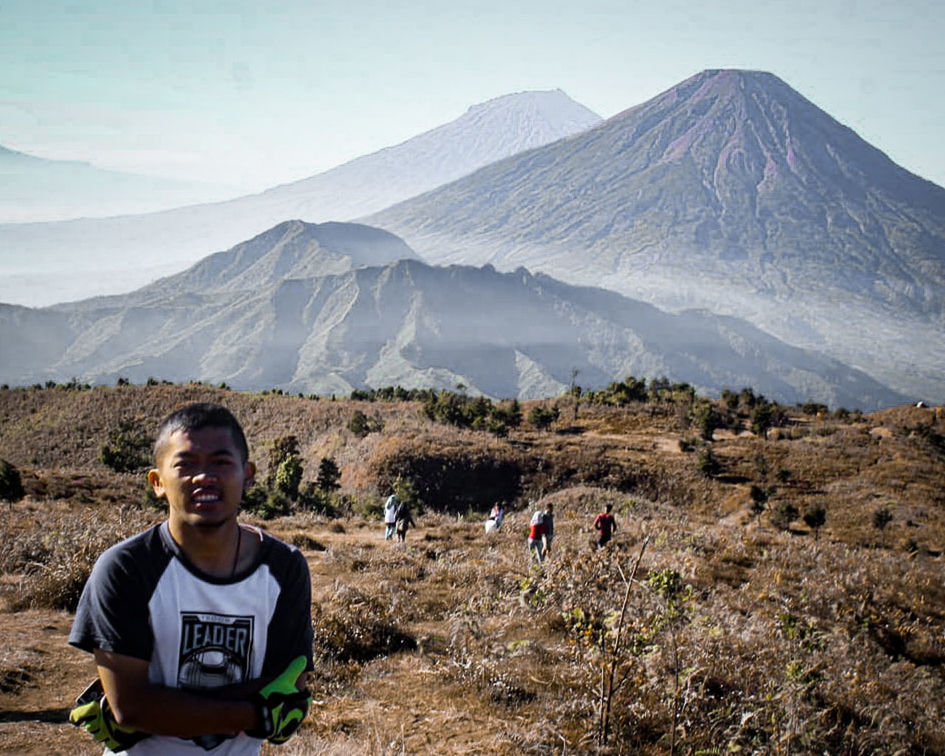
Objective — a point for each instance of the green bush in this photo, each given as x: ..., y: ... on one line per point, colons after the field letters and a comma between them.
x: 708, y: 465
x: 274, y: 505
x: 128, y: 448
x: 784, y: 514
x: 289, y: 477
x: 313, y: 499
x: 541, y: 417
x: 255, y: 498
x: 360, y: 424
x: 279, y: 451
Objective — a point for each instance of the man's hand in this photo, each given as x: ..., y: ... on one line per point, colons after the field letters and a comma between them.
x: 281, y: 706
x: 92, y: 712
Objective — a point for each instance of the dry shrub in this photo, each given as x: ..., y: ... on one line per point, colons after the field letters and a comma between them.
x: 54, y: 559
x: 353, y: 627
x: 305, y: 542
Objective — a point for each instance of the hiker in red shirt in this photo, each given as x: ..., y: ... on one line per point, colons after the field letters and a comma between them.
x: 537, y: 536
x: 606, y: 525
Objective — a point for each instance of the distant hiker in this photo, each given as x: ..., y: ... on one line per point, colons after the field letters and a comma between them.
x: 536, y: 536
x: 200, y: 627
x: 495, y: 518
x: 606, y: 525
x: 402, y: 521
x: 390, y: 516
x: 549, y: 519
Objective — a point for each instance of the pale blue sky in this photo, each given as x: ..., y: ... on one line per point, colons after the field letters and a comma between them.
x: 259, y: 93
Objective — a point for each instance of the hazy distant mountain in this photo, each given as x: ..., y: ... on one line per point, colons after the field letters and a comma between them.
x: 731, y: 192
x: 54, y: 262
x: 266, y: 314
x: 293, y: 249
x: 37, y: 189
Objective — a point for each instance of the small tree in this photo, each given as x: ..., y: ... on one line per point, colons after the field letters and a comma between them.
x: 708, y: 465
x: 406, y: 491
x: 881, y: 518
x: 707, y: 418
x: 762, y: 417
x: 761, y: 465
x: 759, y: 496
x: 675, y: 597
x: 815, y: 517
x: 329, y: 475
x: 574, y: 391
x: 784, y: 514
x: 11, y: 485
x: 509, y: 414
x: 541, y: 417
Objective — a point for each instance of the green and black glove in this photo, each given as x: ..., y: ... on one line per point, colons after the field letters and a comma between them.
x: 92, y: 712
x: 281, y: 705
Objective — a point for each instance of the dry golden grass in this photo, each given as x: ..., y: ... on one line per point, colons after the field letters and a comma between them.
x: 779, y: 641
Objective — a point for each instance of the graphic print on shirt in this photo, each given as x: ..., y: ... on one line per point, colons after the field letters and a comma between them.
x: 215, y: 650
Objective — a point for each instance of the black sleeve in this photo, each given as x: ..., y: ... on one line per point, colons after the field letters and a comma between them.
x: 290, y: 630
x: 112, y: 614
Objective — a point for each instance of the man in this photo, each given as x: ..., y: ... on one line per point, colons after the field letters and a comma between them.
x: 200, y: 627
x: 536, y: 536
x: 390, y: 516
x: 494, y: 522
x: 606, y: 525
x: 549, y: 519
x: 402, y: 521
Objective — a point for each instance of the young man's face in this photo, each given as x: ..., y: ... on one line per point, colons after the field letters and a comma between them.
x: 202, y: 476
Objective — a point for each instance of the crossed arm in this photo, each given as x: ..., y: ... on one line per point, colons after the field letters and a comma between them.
x: 141, y: 705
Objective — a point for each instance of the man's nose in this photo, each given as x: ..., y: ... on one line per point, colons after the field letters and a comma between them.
x: 204, y: 474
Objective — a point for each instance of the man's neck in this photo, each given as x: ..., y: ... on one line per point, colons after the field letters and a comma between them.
x: 212, y: 549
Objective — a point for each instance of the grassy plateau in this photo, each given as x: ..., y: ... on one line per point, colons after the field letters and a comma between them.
x: 775, y: 591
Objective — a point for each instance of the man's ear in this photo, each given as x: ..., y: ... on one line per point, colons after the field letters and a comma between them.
x: 154, y: 478
x: 249, y: 475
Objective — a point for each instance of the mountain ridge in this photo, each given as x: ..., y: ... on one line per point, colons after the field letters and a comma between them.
x: 131, y: 251
x: 399, y: 321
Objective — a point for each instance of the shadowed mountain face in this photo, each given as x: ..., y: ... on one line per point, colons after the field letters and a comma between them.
x: 44, y: 263
x: 731, y: 192
x: 329, y: 308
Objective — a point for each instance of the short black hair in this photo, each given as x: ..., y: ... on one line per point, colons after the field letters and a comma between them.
x: 198, y: 416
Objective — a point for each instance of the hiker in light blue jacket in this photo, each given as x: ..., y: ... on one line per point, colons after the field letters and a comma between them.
x: 390, y: 516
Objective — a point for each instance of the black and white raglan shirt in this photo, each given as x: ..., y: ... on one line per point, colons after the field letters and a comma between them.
x: 146, y: 600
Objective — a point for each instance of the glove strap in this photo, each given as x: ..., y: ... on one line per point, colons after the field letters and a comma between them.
x: 267, y: 726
